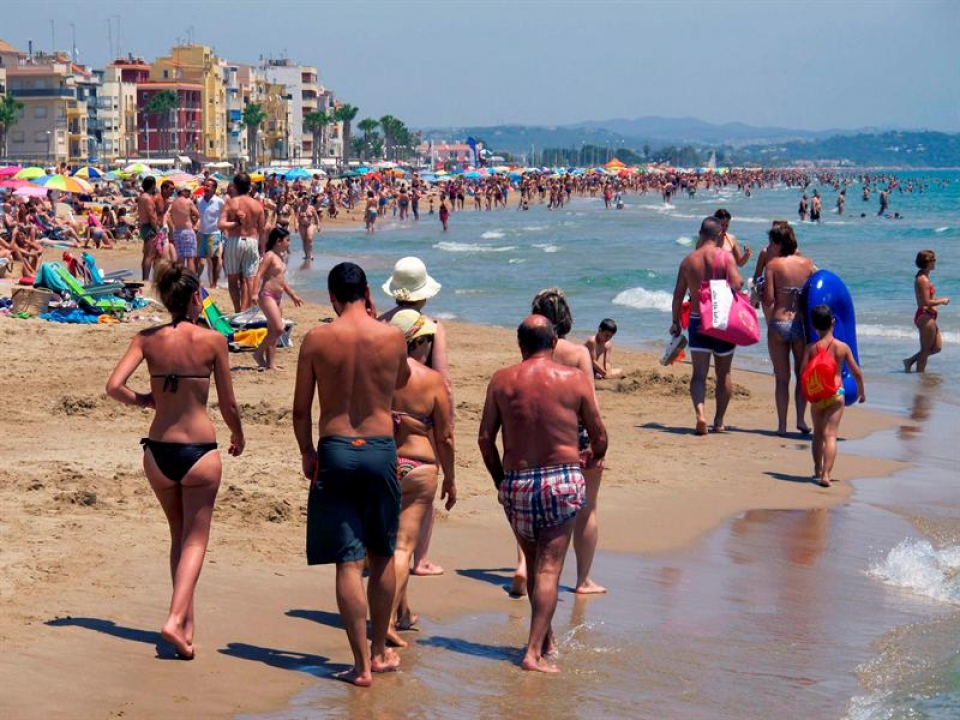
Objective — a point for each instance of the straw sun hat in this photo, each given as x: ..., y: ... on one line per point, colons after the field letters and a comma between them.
x: 413, y: 325
x: 410, y: 281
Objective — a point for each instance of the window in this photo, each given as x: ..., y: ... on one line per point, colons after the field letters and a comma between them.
x: 16, y: 137
x: 40, y: 112
x: 41, y: 137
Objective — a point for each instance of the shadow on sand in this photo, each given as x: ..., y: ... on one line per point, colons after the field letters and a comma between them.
x: 318, y: 616
x: 165, y: 650
x: 480, y: 650
x: 315, y: 665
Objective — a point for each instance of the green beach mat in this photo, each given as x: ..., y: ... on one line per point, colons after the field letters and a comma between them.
x: 214, y: 317
x: 105, y: 304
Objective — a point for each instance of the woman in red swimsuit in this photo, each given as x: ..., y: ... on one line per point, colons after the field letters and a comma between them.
x: 926, y: 316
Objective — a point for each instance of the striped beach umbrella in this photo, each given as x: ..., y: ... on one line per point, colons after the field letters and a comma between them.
x: 29, y: 173
x: 64, y: 183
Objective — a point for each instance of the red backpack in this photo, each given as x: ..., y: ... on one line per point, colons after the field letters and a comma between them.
x: 819, y: 377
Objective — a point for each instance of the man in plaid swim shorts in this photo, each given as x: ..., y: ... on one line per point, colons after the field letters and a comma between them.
x: 538, y: 404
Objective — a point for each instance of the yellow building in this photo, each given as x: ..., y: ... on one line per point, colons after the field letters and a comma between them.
x: 275, y: 130
x: 192, y: 63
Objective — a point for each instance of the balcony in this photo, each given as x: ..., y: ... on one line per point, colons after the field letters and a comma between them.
x: 44, y: 92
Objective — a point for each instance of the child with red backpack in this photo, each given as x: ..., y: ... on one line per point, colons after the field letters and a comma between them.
x: 822, y: 386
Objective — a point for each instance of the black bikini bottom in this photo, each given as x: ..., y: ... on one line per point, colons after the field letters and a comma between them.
x: 176, y: 459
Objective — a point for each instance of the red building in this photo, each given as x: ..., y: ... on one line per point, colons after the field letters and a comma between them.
x: 175, y: 132
x: 132, y: 70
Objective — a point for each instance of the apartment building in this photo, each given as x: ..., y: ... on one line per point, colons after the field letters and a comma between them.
x: 177, y: 131
x: 194, y: 64
x: 52, y: 126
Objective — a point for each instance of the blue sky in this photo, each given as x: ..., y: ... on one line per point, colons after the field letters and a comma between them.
x: 813, y: 65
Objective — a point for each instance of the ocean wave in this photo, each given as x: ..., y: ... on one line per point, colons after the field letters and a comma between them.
x: 902, y: 332
x: 515, y: 261
x: 547, y: 248
x: 917, y: 566
x: 492, y: 235
x: 472, y: 247
x: 684, y: 240
x: 534, y: 228
x: 945, y: 228
x: 445, y: 316
x: 751, y: 219
x: 643, y: 299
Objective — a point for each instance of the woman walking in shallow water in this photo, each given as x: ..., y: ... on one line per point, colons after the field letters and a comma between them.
x: 925, y: 317
x: 180, y: 455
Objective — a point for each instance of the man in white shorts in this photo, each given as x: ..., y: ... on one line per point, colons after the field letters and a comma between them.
x: 243, y: 222
x: 209, y: 241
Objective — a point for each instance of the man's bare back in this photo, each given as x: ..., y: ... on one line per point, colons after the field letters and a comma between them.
x: 184, y: 214
x: 247, y: 213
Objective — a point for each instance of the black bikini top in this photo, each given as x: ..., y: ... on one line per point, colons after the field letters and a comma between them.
x: 171, y: 381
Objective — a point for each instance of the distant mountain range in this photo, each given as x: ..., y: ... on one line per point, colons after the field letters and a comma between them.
x: 736, y: 142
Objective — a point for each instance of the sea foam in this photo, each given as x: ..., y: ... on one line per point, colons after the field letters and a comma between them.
x: 492, y: 235
x: 643, y: 299
x: 472, y: 247
x: 919, y: 567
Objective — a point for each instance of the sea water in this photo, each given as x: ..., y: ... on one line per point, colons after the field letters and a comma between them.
x: 852, y: 612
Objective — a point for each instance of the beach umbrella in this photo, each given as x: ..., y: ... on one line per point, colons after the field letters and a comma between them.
x: 139, y: 168
x: 89, y: 173
x: 34, y: 191
x: 298, y: 174
x: 29, y: 173
x: 10, y: 170
x: 472, y: 175
x: 182, y: 178
x: 12, y: 184
x: 256, y: 177
x: 362, y: 170
x: 64, y: 183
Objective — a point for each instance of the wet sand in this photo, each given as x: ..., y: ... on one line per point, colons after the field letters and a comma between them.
x: 83, y: 567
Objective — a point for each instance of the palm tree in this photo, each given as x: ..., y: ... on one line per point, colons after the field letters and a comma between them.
x: 346, y: 114
x: 10, y: 109
x: 316, y: 122
x: 390, y: 125
x: 253, y: 117
x: 161, y: 105
x: 367, y: 126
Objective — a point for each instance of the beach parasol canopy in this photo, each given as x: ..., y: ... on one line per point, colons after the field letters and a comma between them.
x: 614, y: 165
x: 89, y: 173
x: 12, y: 184
x: 182, y: 178
x: 64, y: 183
x: 10, y: 170
x: 31, y: 191
x: 298, y: 174
x: 29, y: 173
x: 138, y: 168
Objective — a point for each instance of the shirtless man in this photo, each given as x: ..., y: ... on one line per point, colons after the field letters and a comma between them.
x: 183, y: 219
x: 538, y: 404
x: 243, y: 222
x: 552, y: 304
x: 730, y: 243
x: 355, y: 364
x: 149, y: 223
x: 695, y: 268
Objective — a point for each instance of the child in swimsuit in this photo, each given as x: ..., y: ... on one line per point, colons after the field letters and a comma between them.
x: 827, y: 413
x: 271, y: 279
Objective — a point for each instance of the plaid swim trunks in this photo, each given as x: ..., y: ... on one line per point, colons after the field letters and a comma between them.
x: 537, y: 498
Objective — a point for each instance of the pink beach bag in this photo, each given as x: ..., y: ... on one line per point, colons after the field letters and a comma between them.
x: 725, y: 314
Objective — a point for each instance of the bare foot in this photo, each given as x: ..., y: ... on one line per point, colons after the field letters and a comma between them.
x: 804, y: 429
x: 824, y: 481
x: 589, y: 587
x: 538, y: 664
x: 259, y: 359
x: 407, y: 621
x: 701, y: 428
x: 717, y: 428
x: 425, y: 568
x: 171, y: 633
x: 388, y: 661
x: 549, y: 647
x: 518, y: 588
x: 782, y: 433
x: 395, y: 640
x: 907, y: 364
x: 355, y: 677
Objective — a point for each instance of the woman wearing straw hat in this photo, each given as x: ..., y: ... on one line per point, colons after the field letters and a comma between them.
x: 411, y: 286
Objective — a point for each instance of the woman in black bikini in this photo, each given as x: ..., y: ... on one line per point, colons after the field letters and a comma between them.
x: 179, y: 456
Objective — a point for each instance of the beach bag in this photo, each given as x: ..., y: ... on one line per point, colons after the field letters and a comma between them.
x: 819, y: 381
x: 725, y: 314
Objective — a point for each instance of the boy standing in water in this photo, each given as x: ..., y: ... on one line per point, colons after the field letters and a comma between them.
x: 827, y: 412
x: 600, y: 349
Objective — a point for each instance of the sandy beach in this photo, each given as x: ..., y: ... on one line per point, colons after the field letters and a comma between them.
x: 83, y: 576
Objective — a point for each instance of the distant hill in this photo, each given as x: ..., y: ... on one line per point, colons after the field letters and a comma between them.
x: 735, y: 143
